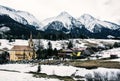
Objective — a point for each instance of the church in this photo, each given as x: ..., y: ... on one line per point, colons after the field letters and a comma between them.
x: 23, y: 52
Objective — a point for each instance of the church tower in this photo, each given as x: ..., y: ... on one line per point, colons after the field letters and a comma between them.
x: 30, y: 42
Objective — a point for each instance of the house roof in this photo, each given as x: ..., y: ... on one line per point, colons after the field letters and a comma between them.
x: 79, y: 49
x: 66, y: 50
x: 21, y: 48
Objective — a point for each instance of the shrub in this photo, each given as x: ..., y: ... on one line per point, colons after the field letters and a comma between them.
x: 89, y: 77
x: 97, y: 76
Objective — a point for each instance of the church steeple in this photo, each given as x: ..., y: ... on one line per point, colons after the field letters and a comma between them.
x: 31, y: 41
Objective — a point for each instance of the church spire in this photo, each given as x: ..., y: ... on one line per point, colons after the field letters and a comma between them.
x: 31, y: 41
x: 31, y: 36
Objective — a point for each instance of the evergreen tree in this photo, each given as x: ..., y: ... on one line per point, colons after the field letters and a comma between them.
x: 49, y: 50
x: 49, y: 45
x: 44, y: 54
x: 39, y: 51
x: 116, y: 44
x: 55, y: 52
x: 10, y: 38
x: 70, y: 45
x: 39, y: 41
x: 4, y: 57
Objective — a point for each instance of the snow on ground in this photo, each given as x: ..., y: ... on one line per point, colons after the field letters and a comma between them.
x: 107, y: 53
x: 21, y: 42
x: 69, y: 70
x: 19, y: 67
x: 118, y: 60
x: 6, y: 44
x: 21, y: 75
x: 59, y: 70
x: 77, y: 43
x: 13, y: 76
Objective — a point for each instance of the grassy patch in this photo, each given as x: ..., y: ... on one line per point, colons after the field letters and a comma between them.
x: 51, y: 62
x: 90, y: 64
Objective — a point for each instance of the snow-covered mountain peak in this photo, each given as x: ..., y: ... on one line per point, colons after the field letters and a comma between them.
x: 30, y: 18
x: 20, y: 16
x: 9, y: 9
x: 88, y: 21
x: 64, y: 17
x: 87, y: 16
x: 64, y: 14
x: 93, y: 24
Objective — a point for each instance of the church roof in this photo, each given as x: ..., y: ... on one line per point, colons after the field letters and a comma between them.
x: 21, y: 48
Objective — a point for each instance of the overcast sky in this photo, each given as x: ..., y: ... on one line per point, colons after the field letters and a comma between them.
x: 42, y: 9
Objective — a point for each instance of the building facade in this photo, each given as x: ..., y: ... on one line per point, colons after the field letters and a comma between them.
x: 22, y: 52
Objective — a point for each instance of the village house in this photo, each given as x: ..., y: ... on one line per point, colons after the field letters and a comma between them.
x: 69, y: 53
x: 23, y: 52
x: 65, y: 53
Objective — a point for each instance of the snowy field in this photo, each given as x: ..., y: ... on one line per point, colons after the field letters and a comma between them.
x: 107, y: 53
x: 59, y: 43
x: 77, y: 43
x: 6, y: 44
x: 13, y: 76
x: 59, y: 70
x: 20, y: 75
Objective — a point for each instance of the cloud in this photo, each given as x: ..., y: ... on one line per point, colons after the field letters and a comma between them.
x: 108, y: 2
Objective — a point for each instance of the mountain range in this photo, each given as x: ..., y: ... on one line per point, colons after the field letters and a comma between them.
x: 18, y: 23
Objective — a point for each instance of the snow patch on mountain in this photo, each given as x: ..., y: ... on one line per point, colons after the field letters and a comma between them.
x: 110, y: 37
x: 4, y: 29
